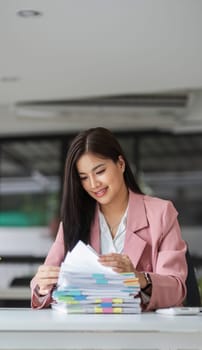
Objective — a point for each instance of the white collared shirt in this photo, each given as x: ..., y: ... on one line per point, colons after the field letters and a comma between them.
x: 109, y: 244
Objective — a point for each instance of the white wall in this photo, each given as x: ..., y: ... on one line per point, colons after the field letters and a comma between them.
x: 21, y: 241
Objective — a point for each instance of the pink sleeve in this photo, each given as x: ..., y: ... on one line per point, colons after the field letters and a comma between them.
x: 54, y: 258
x: 169, y: 276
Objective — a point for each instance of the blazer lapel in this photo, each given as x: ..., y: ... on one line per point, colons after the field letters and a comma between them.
x: 137, y: 220
x: 134, y: 245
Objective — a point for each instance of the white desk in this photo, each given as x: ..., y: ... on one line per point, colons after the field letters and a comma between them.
x: 26, y: 329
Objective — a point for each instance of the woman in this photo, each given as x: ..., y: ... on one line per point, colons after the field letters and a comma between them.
x: 132, y: 232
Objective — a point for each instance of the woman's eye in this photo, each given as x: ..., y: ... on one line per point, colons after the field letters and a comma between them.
x: 100, y: 171
x: 83, y: 178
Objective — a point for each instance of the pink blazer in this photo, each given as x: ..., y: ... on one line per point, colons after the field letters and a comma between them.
x: 154, y: 244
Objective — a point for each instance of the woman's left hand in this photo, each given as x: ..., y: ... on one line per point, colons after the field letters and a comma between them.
x: 121, y: 263
x: 118, y: 262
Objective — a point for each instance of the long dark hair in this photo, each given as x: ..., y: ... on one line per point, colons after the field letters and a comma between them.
x: 78, y: 208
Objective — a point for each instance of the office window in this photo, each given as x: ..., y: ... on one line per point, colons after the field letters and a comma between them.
x: 171, y: 167
x: 29, y: 182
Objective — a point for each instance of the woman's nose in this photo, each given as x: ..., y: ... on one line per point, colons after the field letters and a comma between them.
x: 93, y: 182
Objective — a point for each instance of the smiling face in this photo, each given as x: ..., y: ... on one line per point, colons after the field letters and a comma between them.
x: 101, y: 178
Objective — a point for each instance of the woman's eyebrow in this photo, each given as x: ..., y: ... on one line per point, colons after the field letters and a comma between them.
x: 98, y: 166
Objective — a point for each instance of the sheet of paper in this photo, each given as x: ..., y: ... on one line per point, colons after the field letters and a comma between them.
x: 83, y: 258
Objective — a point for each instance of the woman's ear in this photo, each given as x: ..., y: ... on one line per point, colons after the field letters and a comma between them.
x: 121, y: 163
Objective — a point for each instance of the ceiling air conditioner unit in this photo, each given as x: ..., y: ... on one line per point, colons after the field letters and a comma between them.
x: 125, y: 112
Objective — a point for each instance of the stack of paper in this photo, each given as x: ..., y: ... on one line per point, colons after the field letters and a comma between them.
x: 86, y: 286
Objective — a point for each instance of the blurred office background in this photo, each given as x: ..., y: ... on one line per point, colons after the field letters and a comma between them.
x: 133, y: 66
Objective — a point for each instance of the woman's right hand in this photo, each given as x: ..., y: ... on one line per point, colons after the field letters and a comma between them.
x: 46, y: 277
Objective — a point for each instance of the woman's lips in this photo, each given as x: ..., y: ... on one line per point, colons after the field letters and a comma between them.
x: 100, y: 193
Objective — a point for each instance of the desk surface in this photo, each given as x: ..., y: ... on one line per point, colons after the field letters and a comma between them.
x: 47, y: 320
x: 48, y: 329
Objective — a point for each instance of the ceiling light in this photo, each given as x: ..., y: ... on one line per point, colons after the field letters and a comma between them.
x: 34, y: 113
x: 28, y: 13
x: 9, y: 79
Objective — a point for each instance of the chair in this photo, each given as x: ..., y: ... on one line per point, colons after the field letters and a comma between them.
x: 193, y: 295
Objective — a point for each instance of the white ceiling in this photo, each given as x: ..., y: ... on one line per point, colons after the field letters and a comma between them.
x: 87, y: 48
